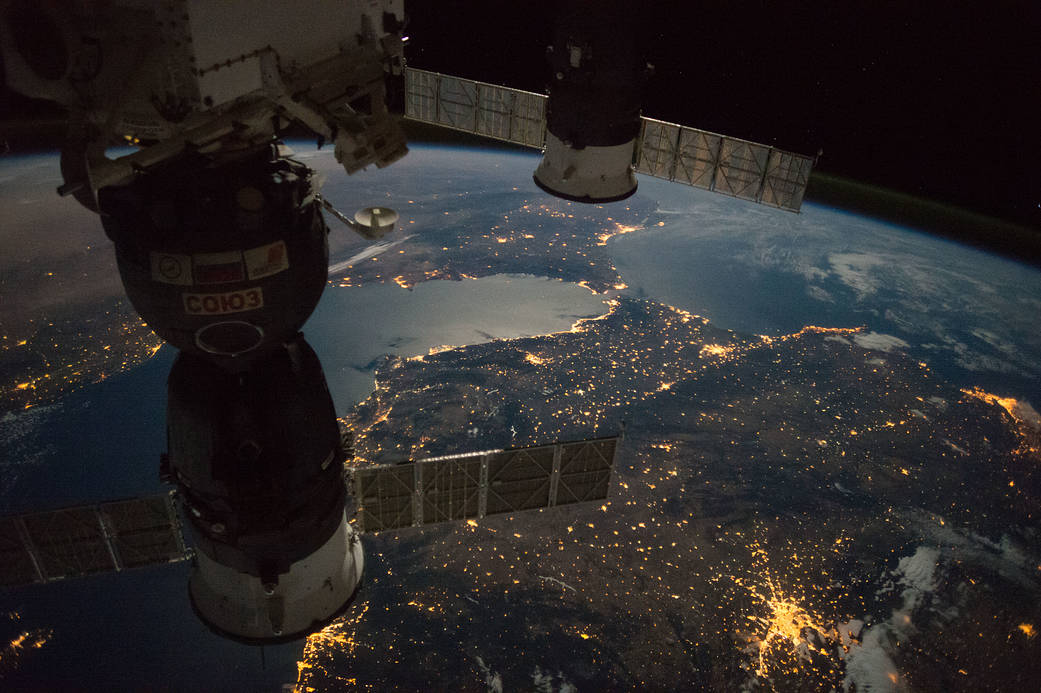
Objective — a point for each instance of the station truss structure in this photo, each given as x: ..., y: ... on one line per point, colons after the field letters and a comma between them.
x: 698, y: 158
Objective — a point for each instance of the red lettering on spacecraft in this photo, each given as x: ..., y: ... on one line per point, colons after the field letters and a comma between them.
x: 221, y: 304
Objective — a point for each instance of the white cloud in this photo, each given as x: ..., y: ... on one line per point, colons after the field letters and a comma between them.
x: 492, y: 679
x: 918, y: 572
x: 858, y: 271
x: 879, y: 341
x: 543, y: 682
x: 820, y: 294
x: 869, y: 668
x: 869, y: 664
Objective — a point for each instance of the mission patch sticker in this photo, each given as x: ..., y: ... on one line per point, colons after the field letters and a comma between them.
x: 266, y: 260
x: 221, y: 304
x: 171, y: 268
x: 220, y: 268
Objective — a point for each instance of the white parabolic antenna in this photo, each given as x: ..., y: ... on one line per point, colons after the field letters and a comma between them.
x: 377, y: 220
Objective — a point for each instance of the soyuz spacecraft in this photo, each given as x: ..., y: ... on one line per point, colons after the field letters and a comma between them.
x: 221, y: 244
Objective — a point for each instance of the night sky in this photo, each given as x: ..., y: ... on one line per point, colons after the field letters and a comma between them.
x: 935, y: 99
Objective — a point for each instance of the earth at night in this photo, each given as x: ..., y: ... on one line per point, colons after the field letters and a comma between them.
x: 829, y: 478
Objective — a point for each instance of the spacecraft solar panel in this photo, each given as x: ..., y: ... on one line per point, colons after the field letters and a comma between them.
x: 16, y: 564
x: 727, y: 165
x: 585, y: 470
x: 520, y: 479
x: 144, y: 531
x: 68, y: 542
x: 450, y: 489
x: 787, y: 176
x: 698, y: 158
x: 385, y: 496
x: 474, y: 485
x: 483, y: 109
x: 741, y: 168
x: 71, y: 542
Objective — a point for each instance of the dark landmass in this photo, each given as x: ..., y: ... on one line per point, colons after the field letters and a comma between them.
x: 785, y: 513
x: 65, y: 349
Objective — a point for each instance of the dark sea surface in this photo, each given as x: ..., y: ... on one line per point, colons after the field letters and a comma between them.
x: 100, y: 442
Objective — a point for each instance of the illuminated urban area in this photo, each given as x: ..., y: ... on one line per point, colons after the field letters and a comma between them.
x: 550, y: 240
x: 57, y: 355
x: 786, y: 513
x: 23, y: 640
x: 758, y: 529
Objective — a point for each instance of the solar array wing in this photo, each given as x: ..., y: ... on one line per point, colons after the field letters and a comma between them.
x: 114, y: 536
x: 678, y: 153
x: 585, y: 470
x: 722, y: 164
x: 483, y: 109
x: 474, y: 485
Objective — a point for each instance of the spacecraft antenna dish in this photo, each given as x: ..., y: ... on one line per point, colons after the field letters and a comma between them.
x: 377, y: 221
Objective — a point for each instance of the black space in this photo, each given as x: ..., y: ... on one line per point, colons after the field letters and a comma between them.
x: 934, y: 99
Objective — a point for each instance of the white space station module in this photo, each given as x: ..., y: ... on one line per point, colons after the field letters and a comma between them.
x: 222, y: 248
